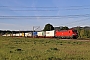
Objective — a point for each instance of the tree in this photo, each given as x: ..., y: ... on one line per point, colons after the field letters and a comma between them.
x: 82, y: 33
x: 79, y: 30
x: 48, y: 27
x: 64, y: 28
x: 89, y: 34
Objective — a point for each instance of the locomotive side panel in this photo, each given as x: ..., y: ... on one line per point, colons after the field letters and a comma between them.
x: 65, y: 34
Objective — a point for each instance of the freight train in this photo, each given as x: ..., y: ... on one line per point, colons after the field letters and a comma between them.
x: 71, y: 33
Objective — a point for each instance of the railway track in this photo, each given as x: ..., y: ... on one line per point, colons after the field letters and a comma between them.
x: 77, y: 39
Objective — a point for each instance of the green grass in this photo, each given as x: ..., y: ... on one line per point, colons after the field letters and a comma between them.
x: 12, y: 48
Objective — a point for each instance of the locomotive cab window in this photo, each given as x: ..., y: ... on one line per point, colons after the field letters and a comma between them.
x: 74, y: 30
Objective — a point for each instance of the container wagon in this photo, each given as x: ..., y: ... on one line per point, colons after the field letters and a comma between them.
x: 41, y: 34
x: 50, y: 34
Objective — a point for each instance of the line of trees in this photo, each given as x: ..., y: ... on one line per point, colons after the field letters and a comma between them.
x: 83, y: 33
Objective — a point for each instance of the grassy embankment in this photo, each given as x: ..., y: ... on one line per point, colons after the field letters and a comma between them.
x: 12, y: 48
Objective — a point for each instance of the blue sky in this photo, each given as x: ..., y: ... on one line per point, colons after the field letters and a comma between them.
x: 62, y: 8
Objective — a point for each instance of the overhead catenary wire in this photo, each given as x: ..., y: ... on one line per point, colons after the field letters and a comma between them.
x: 30, y: 10
x: 74, y: 6
x: 39, y: 18
x: 48, y: 8
x: 46, y: 17
x: 74, y: 22
x: 49, y: 16
x: 24, y: 7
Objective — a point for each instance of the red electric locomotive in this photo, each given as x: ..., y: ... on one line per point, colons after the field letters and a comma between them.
x: 71, y: 33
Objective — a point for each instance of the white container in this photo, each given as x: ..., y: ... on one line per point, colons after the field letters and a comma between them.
x: 39, y: 34
x: 20, y: 34
x: 14, y: 34
x: 4, y: 35
x: 50, y: 33
x: 17, y: 34
x: 42, y: 33
x: 8, y: 34
x: 29, y: 34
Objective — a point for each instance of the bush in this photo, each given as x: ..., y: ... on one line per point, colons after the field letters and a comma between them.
x: 54, y: 58
x: 53, y: 48
x: 18, y: 49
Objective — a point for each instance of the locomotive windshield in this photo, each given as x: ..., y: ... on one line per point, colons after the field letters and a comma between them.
x: 75, y: 31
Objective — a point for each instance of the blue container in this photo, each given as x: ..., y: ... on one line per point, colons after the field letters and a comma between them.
x: 34, y: 33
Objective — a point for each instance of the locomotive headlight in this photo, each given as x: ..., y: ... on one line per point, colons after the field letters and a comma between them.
x: 73, y: 34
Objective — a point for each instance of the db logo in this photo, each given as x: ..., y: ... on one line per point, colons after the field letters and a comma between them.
x: 47, y: 32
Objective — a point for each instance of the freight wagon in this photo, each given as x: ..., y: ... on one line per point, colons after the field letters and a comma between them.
x: 28, y: 34
x: 50, y: 34
x: 41, y: 34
